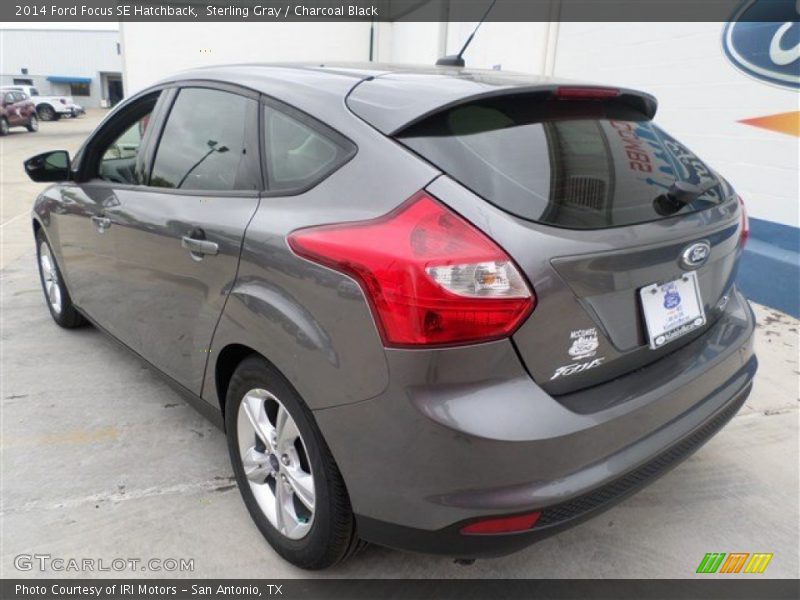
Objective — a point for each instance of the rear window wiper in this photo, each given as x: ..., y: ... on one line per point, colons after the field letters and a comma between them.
x: 680, y: 194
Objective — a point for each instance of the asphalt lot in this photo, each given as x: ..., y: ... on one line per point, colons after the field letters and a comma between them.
x: 101, y: 459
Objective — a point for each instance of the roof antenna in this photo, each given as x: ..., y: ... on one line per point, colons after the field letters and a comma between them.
x: 455, y: 60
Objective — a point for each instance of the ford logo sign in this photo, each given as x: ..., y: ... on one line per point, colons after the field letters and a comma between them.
x: 763, y: 40
x: 695, y: 255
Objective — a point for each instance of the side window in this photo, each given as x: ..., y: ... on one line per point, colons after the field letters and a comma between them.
x: 20, y: 97
x: 300, y: 154
x: 209, y: 143
x: 8, y: 98
x: 119, y: 157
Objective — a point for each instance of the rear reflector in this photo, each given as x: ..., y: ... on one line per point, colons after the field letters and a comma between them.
x: 502, y: 525
x: 569, y: 92
x: 745, y: 233
x: 431, y: 278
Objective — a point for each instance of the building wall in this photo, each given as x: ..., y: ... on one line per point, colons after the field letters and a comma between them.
x: 72, y: 53
x: 153, y: 51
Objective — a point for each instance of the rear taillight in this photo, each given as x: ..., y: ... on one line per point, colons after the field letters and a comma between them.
x: 431, y: 277
x: 572, y: 92
x: 745, y: 229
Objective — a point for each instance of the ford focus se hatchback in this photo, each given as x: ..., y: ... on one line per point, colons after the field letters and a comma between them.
x: 443, y: 310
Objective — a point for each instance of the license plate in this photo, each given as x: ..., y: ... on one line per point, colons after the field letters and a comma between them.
x: 672, y: 309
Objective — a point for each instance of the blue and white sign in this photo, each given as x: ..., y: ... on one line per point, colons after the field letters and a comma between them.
x: 763, y: 40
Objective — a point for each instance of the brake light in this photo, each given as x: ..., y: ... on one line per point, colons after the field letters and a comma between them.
x: 431, y: 278
x: 745, y: 232
x: 571, y: 92
x: 502, y: 525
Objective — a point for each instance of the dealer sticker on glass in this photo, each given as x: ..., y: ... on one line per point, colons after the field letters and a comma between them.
x: 672, y: 309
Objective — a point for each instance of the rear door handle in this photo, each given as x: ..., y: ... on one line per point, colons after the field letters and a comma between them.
x: 199, y: 247
x: 101, y: 223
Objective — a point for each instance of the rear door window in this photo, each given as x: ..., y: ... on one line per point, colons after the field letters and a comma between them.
x: 209, y: 143
x: 573, y: 171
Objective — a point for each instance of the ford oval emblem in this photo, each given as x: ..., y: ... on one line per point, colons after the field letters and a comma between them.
x: 695, y: 255
x: 763, y: 40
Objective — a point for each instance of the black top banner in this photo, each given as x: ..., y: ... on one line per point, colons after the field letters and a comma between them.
x: 398, y: 10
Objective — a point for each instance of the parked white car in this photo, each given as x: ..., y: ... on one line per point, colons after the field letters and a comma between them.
x: 49, y: 108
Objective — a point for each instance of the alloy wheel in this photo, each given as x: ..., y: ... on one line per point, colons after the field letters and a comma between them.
x: 52, y: 287
x: 276, y: 464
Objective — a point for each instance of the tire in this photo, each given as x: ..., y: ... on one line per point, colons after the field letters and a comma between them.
x: 309, y: 539
x: 33, y: 124
x: 3, y: 126
x: 46, y: 113
x: 56, y: 295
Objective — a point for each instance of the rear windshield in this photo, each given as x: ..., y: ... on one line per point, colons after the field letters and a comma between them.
x: 574, y: 171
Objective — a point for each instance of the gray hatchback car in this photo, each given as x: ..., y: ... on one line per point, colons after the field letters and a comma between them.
x: 443, y: 310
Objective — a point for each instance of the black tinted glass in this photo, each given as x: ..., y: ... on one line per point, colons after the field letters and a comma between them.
x: 576, y: 172
x: 208, y: 143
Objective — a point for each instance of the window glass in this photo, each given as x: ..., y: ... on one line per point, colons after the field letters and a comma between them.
x: 8, y: 98
x: 79, y: 89
x: 299, y: 155
x: 207, y: 143
x: 574, y: 171
x: 118, y: 160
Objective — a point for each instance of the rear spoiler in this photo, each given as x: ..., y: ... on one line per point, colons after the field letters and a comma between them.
x: 392, y: 122
x: 639, y: 102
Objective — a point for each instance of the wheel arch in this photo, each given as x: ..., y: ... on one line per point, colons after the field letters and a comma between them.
x: 228, y: 359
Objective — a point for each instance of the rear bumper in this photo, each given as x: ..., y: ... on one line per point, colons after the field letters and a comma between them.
x: 554, y: 519
x: 465, y: 433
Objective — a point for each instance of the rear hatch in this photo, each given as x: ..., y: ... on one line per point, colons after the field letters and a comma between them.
x: 629, y: 240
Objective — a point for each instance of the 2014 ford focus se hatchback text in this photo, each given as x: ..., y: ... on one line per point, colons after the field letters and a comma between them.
x: 443, y: 310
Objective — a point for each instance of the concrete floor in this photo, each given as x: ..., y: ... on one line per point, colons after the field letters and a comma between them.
x: 100, y: 459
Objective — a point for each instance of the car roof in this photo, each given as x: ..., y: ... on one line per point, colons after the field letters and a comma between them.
x: 387, y: 96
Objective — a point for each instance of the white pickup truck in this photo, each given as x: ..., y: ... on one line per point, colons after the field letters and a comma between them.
x: 49, y: 108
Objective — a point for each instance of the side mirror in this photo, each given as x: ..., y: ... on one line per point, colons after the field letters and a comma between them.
x: 50, y: 166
